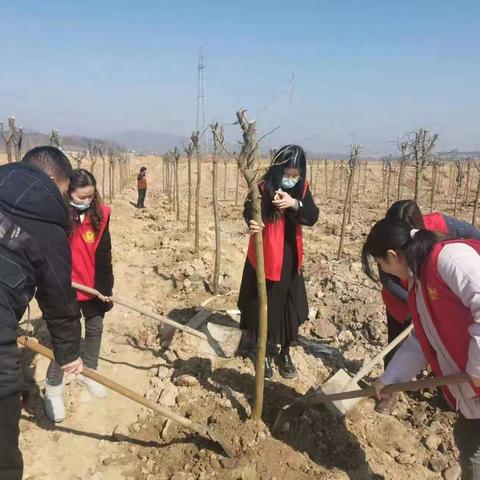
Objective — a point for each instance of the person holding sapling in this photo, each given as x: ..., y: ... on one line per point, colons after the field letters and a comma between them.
x: 90, y: 243
x: 287, y: 205
x: 444, y: 302
x: 394, y: 290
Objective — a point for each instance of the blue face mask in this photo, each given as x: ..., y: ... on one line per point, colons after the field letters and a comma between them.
x: 289, y: 182
x: 81, y: 207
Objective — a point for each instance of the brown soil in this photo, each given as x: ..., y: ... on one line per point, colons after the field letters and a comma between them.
x: 155, y: 268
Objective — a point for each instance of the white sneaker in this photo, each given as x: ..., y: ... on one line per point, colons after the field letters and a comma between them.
x: 53, y: 402
x: 94, y: 388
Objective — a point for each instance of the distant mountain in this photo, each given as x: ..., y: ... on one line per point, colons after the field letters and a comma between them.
x: 142, y: 141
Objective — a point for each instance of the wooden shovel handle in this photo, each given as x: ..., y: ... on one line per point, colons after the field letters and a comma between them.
x: 433, y: 382
x: 116, y: 387
x: 147, y: 313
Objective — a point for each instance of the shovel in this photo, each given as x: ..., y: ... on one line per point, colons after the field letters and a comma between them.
x: 153, y: 315
x: 126, y: 392
x: 342, y: 381
x: 320, y: 397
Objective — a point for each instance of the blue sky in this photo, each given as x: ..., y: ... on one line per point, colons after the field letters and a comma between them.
x: 364, y: 70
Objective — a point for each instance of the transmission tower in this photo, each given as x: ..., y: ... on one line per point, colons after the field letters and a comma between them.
x: 201, y: 123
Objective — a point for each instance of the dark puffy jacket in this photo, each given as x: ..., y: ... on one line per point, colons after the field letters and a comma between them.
x: 35, y: 260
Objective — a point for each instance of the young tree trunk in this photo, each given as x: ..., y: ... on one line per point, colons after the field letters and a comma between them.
x: 345, y: 212
x: 189, y: 204
x: 177, y: 186
x: 365, y: 167
x: 475, y: 203
x: 401, y: 174
x: 236, y: 186
x: 103, y: 176
x: 326, y: 178
x: 467, y: 184
x: 384, y: 182
x: 225, y: 164
x: 434, y: 183
x: 245, y: 162
x: 418, y: 179
x: 195, y: 139
x: 389, y: 178
x: 217, y: 142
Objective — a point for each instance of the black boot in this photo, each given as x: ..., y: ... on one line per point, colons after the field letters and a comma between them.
x: 268, y: 367
x: 285, y: 365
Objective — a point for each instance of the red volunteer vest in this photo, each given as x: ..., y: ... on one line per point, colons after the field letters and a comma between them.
x: 274, y: 243
x: 449, y: 315
x: 83, y: 245
x: 434, y: 222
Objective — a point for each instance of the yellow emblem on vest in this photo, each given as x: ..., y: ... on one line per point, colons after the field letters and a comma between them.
x: 432, y: 293
x: 89, y: 236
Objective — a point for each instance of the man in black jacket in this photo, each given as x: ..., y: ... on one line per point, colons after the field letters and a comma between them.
x: 35, y: 260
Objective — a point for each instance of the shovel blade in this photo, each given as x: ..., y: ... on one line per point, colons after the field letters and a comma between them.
x: 337, y: 384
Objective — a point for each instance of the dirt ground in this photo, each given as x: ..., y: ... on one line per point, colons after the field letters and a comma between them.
x: 155, y: 268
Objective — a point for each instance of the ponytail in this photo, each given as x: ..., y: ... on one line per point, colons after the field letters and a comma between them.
x: 419, y: 249
x: 393, y: 234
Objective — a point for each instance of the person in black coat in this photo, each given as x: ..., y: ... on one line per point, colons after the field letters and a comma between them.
x: 34, y: 261
x: 287, y: 204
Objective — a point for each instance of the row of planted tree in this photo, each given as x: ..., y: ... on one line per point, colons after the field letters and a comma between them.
x: 113, y: 160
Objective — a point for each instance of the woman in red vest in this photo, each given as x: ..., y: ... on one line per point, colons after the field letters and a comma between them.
x: 394, y: 291
x: 444, y: 301
x: 287, y: 204
x: 91, y: 248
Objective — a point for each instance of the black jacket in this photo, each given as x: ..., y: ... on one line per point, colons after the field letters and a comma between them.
x: 35, y: 260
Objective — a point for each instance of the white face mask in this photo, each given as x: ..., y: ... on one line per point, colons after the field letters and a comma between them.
x: 81, y: 207
x: 289, y: 182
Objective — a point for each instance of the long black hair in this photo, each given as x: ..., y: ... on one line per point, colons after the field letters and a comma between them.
x: 393, y: 234
x: 408, y: 212
x: 83, y: 178
x: 289, y: 156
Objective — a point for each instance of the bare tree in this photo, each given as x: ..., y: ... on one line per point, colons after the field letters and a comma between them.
x: 196, y: 143
x: 352, y: 165
x: 189, y: 150
x: 111, y: 162
x: 459, y: 176
x: 387, y: 166
x: 402, y: 163
x: 467, y: 181
x: 55, y: 139
x: 476, y: 163
x: 103, y: 152
x: 421, y: 144
x: 93, y: 153
x: 435, y: 165
x: 218, y: 141
x: 77, y: 157
x: 176, y: 160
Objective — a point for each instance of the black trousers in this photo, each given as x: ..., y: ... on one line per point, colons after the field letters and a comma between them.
x: 11, y: 462
x: 141, y: 197
x: 394, y: 329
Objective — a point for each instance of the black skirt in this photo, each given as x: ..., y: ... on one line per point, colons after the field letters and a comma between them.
x: 287, y: 299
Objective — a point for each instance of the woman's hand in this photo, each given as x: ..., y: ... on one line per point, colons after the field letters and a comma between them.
x: 253, y: 227
x: 475, y: 381
x: 282, y: 200
x: 74, y: 367
x: 105, y: 299
x: 379, y: 386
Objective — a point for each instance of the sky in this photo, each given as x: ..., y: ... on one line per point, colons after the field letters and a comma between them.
x: 364, y: 71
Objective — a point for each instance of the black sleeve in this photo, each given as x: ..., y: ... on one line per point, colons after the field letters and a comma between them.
x: 103, y: 263
x: 56, y: 297
x: 392, y: 285
x: 458, y: 228
x: 308, y: 213
x: 248, y: 210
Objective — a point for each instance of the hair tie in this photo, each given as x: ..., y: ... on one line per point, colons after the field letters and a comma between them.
x: 413, y: 232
